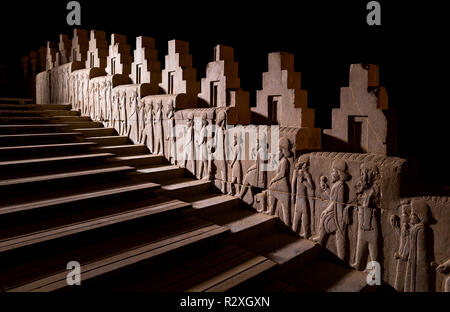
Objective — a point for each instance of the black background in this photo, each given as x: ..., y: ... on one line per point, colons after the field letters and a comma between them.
x: 409, y: 46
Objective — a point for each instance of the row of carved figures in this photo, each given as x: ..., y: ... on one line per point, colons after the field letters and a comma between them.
x: 206, y: 150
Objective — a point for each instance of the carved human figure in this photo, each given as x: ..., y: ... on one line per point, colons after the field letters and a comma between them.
x: 202, y: 144
x: 236, y: 167
x: 416, y: 278
x: 302, y: 197
x: 116, y: 111
x: 188, y: 146
x: 158, y: 126
x: 142, y: 120
x: 255, y: 174
x: 171, y: 136
x: 123, y: 120
x: 219, y: 150
x: 368, y: 193
x: 99, y: 100
x: 85, y: 100
x: 335, y: 218
x: 77, y: 93
x: 104, y: 101
x: 401, y: 227
x: 444, y: 268
x: 133, y: 120
x: 108, y: 104
x: 279, y: 185
x: 147, y: 137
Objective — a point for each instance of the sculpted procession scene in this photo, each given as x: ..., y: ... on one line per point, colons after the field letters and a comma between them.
x: 341, y: 191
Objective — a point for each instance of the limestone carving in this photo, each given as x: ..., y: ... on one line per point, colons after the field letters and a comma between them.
x: 303, y: 197
x: 256, y: 174
x: 158, y: 127
x: 415, y: 253
x: 236, y: 167
x: 444, y: 268
x: 188, y: 146
x: 203, y: 154
x: 220, y: 149
x: 334, y: 219
x: 171, y: 135
x: 401, y: 227
x: 279, y: 188
x: 368, y: 192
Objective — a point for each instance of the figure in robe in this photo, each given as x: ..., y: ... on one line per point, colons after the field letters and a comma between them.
x: 368, y: 192
x: 335, y: 218
x: 279, y: 188
x: 236, y: 167
x: 417, y: 265
x: 401, y: 227
x: 158, y: 126
x: 302, y: 198
x: 171, y: 136
x: 202, y: 143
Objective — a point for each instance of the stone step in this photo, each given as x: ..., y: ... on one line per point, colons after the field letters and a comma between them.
x: 161, y: 173
x: 184, y: 186
x: 83, y: 124
x: 79, y: 199
x: 39, y: 163
x: 323, y: 275
x: 234, y: 276
x: 63, y: 177
x: 55, y: 119
x: 218, y: 267
x: 96, y: 132
x: 70, y: 229
x: 39, y: 138
x: 109, y: 140
x: 19, y: 101
x: 33, y: 128
x: 212, y: 202
x: 115, y: 257
x: 140, y: 161
x: 122, y: 150
x: 35, y: 106
x: 44, y: 149
x: 37, y: 113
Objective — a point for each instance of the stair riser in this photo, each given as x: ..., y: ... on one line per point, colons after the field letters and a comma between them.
x: 42, y: 120
x: 18, y: 170
x: 40, y: 140
x: 163, y: 175
x: 196, y: 189
x: 31, y: 130
x: 142, y: 163
x: 40, y: 187
x: 37, y: 113
x: 108, y: 141
x: 97, y: 132
x: 44, y: 152
x: 128, y: 151
x: 134, y: 270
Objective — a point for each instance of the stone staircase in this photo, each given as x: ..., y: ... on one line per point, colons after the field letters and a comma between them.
x: 75, y: 191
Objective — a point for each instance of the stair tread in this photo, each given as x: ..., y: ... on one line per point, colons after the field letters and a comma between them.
x: 53, y: 125
x: 126, y: 257
x: 182, y: 183
x: 51, y: 159
x: 90, y: 224
x: 46, y: 146
x: 75, y: 198
x: 328, y: 276
x: 63, y: 175
x: 39, y: 135
x: 234, y: 275
x: 134, y: 157
x: 159, y: 169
